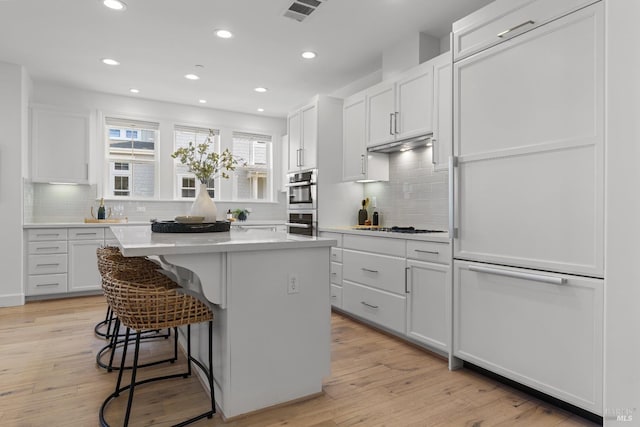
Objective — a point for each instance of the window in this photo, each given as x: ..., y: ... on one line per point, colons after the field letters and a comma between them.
x: 252, y: 179
x: 131, y: 158
x: 186, y: 182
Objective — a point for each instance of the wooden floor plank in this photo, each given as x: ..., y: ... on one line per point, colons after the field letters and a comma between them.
x: 49, y: 378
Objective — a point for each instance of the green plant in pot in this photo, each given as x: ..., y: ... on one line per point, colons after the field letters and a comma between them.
x: 241, y: 214
x: 205, y: 165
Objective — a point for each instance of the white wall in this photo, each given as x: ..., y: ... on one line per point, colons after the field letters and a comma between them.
x: 622, y: 276
x: 13, y: 122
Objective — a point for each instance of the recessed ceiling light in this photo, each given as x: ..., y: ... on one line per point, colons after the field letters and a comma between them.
x: 308, y: 55
x: 224, y: 34
x: 202, y: 101
x: 191, y: 77
x: 260, y: 110
x: 110, y: 61
x: 134, y: 90
x: 114, y: 4
x: 261, y: 89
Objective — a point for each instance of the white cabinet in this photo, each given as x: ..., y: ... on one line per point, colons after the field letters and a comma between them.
x: 83, y: 267
x: 336, y: 268
x: 61, y: 260
x: 303, y: 138
x: 60, y: 141
x: 544, y: 335
x: 428, y: 296
x: 529, y: 140
x: 401, y: 109
x: 358, y: 165
x: 504, y: 19
x: 443, y: 112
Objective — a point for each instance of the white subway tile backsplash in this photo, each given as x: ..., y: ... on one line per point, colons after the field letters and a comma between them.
x: 415, y: 194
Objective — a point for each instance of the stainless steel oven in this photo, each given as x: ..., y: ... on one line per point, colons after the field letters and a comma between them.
x: 302, y: 190
x: 302, y: 222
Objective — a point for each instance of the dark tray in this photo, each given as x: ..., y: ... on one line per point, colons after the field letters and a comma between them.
x: 176, y: 227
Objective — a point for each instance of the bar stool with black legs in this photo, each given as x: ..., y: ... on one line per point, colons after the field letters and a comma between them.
x: 110, y: 259
x: 143, y: 305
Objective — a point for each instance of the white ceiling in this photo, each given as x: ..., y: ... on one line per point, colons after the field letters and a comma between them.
x: 159, y: 41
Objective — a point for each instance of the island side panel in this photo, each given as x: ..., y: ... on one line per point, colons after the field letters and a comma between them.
x: 279, y: 342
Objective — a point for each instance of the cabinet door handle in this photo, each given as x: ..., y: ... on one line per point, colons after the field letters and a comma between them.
x: 406, y: 280
x: 362, y: 164
x: 368, y: 305
x: 434, y: 156
x: 505, y: 32
x: 395, y: 122
x: 519, y: 275
x: 370, y: 271
x: 302, y: 157
x: 427, y: 252
x: 390, y: 123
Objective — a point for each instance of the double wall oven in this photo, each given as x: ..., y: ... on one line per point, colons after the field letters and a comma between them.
x: 302, y: 204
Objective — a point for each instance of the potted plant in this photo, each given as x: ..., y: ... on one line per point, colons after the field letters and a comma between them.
x: 241, y: 214
x: 205, y: 165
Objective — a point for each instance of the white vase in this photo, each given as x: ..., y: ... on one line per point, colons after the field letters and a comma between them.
x: 203, y: 205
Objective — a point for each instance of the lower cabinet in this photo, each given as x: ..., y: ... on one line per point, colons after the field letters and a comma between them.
x: 548, y: 336
x: 83, y: 268
x: 428, y: 303
x: 63, y: 260
x: 384, y: 308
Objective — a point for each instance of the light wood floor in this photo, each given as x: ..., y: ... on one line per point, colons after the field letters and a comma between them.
x: 48, y: 377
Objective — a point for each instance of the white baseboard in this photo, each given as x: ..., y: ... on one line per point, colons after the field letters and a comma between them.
x: 11, y: 300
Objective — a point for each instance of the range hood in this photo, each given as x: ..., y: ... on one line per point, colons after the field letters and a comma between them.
x: 403, y: 145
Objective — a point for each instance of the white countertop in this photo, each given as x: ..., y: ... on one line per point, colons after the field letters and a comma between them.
x: 248, y: 223
x: 424, y: 237
x: 140, y: 240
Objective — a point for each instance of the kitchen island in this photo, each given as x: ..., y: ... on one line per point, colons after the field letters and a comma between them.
x: 271, y: 302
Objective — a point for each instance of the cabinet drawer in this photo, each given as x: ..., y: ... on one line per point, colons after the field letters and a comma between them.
x: 381, y: 245
x: 381, y: 307
x: 47, y: 264
x: 336, y: 296
x: 502, y: 20
x: 380, y: 271
x: 38, y: 234
x: 86, y: 233
x: 428, y: 251
x: 46, y: 284
x: 336, y: 254
x: 336, y: 273
x: 52, y: 247
x: 330, y: 235
x: 546, y: 336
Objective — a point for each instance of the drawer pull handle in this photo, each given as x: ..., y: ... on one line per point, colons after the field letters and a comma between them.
x: 46, y: 284
x: 427, y: 252
x: 505, y: 32
x: 47, y: 234
x: 86, y: 234
x: 334, y: 296
x: 46, y: 248
x: 368, y: 305
x: 370, y: 271
x: 518, y: 275
x: 48, y: 265
x: 334, y: 273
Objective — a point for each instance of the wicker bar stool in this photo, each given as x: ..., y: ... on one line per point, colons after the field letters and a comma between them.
x: 149, y: 304
x: 111, y: 259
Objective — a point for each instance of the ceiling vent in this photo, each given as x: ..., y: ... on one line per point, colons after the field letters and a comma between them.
x: 300, y: 10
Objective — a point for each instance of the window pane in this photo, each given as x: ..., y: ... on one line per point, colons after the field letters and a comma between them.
x: 188, y: 193
x: 252, y: 176
x: 182, y: 137
x: 143, y: 179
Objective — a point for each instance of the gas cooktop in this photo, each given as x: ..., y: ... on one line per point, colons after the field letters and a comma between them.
x: 396, y: 229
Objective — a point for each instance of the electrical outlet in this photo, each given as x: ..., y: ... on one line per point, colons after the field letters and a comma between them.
x: 374, y: 202
x: 293, y: 287
x: 141, y: 209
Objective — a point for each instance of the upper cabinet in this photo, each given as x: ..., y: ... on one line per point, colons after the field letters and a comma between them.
x: 504, y: 19
x: 60, y: 141
x: 359, y: 165
x: 401, y: 109
x: 443, y: 112
x: 303, y: 138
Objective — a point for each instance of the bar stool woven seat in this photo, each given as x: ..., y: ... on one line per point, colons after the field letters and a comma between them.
x: 111, y: 259
x: 147, y: 301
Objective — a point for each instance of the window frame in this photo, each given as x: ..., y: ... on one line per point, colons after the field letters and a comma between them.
x: 270, y: 190
x: 179, y: 175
